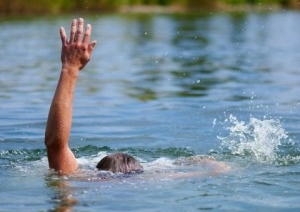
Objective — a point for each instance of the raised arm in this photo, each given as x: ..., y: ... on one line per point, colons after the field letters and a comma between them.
x: 75, y: 54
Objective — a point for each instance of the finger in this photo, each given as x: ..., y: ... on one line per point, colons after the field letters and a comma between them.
x: 73, y: 30
x: 63, y: 35
x: 91, y: 46
x: 79, y: 33
x: 87, y: 34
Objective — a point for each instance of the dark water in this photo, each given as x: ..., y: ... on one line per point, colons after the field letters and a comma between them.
x: 159, y: 87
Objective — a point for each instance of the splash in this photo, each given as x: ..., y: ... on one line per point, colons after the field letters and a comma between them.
x: 260, y: 139
x: 159, y: 164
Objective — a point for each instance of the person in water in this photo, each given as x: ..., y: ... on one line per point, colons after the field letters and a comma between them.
x: 75, y: 54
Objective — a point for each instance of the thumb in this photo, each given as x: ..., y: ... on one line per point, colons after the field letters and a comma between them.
x: 91, y: 46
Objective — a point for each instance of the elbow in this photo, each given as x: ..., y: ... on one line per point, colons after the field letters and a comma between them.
x: 54, y: 142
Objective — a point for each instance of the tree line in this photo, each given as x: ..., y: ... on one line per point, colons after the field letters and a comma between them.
x: 32, y: 7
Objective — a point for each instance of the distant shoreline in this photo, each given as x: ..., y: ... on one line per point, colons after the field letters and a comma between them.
x: 21, y: 10
x: 181, y: 9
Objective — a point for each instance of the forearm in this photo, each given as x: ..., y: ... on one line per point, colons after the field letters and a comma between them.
x: 60, y: 114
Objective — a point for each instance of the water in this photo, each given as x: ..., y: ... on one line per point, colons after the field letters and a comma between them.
x: 159, y: 87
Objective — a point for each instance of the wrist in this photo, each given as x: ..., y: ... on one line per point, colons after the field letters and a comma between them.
x: 73, y: 71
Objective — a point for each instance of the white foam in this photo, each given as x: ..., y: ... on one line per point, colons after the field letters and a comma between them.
x: 162, y: 163
x: 38, y: 166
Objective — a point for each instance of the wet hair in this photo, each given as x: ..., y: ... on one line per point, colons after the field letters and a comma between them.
x: 120, y: 162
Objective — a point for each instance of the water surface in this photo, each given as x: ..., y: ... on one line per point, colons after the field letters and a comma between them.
x: 159, y: 87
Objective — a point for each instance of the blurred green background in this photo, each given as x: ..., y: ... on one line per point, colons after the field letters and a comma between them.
x: 38, y: 7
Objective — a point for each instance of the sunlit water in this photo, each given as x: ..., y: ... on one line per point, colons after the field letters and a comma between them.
x: 162, y: 88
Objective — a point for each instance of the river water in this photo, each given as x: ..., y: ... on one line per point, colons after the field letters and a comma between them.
x: 162, y: 88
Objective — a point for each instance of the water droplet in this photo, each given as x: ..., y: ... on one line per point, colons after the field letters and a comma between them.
x: 214, y: 122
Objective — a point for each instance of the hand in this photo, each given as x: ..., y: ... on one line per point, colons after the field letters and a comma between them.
x: 76, y: 52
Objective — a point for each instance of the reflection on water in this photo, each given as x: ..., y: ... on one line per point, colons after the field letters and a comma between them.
x: 162, y: 56
x: 63, y: 198
x: 152, y: 57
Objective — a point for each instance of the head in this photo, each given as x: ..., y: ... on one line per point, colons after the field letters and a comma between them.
x: 119, y: 162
